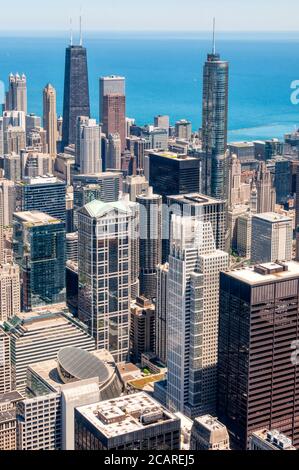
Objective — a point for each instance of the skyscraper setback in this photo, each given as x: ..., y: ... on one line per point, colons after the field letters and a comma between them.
x: 214, y: 126
x: 76, y: 91
x: 113, y: 107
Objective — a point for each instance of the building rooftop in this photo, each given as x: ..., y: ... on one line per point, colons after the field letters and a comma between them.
x: 194, y: 199
x: 275, y: 439
x: 45, y: 179
x: 272, y: 217
x: 173, y: 156
x: 36, y: 218
x: 126, y: 414
x: 210, y: 423
x: 10, y: 397
x: 98, y: 208
x: 266, y: 273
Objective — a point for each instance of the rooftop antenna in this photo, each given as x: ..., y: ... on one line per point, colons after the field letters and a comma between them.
x: 81, y: 38
x: 71, y: 31
x: 214, y: 36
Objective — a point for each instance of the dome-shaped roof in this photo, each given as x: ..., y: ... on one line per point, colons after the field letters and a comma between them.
x: 79, y: 364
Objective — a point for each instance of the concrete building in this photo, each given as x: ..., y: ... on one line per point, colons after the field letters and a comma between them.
x: 256, y: 368
x: 266, y: 195
x: 39, y: 335
x: 109, y: 182
x: 113, y: 152
x: 239, y: 191
x: 135, y: 186
x: 183, y: 129
x: 162, y: 122
x: 142, y: 328
x: 90, y: 148
x: 8, y: 191
x: 14, y: 140
x: 8, y: 424
x: 12, y: 167
x: 161, y: 312
x: 269, y: 440
x: 10, y: 295
x: 244, y: 234
x: 192, y: 317
x: 72, y: 247
x: 272, y: 238
x: 134, y: 422
x: 209, y: 434
x: 6, y: 379
x: 16, y: 97
x: 113, y: 107
x: 34, y: 164
x: 108, y: 236
x: 50, y: 118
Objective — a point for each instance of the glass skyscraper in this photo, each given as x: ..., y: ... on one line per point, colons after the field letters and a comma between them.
x: 214, y: 126
x: 39, y: 250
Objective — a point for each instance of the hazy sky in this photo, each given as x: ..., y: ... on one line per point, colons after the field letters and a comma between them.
x: 195, y: 15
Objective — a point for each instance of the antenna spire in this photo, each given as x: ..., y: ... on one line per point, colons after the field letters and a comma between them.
x: 214, y: 36
x: 71, y: 31
x: 81, y: 38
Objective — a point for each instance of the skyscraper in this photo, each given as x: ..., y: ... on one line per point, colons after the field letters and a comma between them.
x: 90, y: 148
x: 150, y: 241
x: 50, y: 118
x: 10, y: 301
x: 76, y: 91
x: 257, y: 365
x: 192, y: 317
x: 272, y: 238
x: 214, y: 125
x: 39, y: 250
x: 1, y: 228
x: 5, y: 364
x: 16, y: 97
x: 266, y: 195
x: 161, y: 312
x: 108, y: 270
x: 113, y: 107
x: 113, y: 152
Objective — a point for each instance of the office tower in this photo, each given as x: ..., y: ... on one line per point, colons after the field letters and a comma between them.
x: 134, y: 186
x: 77, y: 378
x: 16, y: 97
x: 50, y: 118
x: 1, y: 137
x: 283, y: 181
x: 150, y: 241
x: 14, y: 140
x: 14, y: 119
x: 81, y: 120
x: 110, y: 183
x: 297, y: 214
x: 76, y: 91
x: 108, y: 236
x: 39, y: 335
x: 39, y: 250
x: 192, y: 317
x: 129, y: 123
x: 72, y: 247
x: 113, y: 107
x: 137, y: 147
x: 214, y: 125
x: 161, y: 312
x: 244, y: 151
x: 133, y: 422
x: 6, y: 380
x: 35, y: 164
x: 37, y: 140
x: 209, y: 434
x: 257, y: 332
x: 46, y: 194
x: 113, y: 152
x: 162, y: 122
x: 64, y: 167
x: 268, y: 150
x: 142, y: 328
x: 32, y: 122
x: 10, y: 302
x: 156, y: 137
x: 239, y: 191
x: 244, y: 234
x: 8, y: 422
x: 183, y: 129
x: 90, y: 147
x: 272, y: 238
x: 266, y: 196
x: 12, y: 167
x: 8, y: 190
x: 169, y: 173
x: 269, y: 440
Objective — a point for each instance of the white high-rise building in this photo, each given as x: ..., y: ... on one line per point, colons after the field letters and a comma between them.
x: 10, y: 291
x: 192, y: 316
x: 113, y: 152
x: 16, y: 98
x: 90, y: 148
x: 108, y: 250
x: 272, y: 238
x: 5, y: 365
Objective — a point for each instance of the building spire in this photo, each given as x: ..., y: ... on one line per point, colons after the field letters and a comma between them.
x: 81, y: 37
x: 71, y: 31
x: 214, y: 36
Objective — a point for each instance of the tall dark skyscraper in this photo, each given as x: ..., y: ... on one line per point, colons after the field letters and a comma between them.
x: 76, y: 91
x: 214, y: 125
